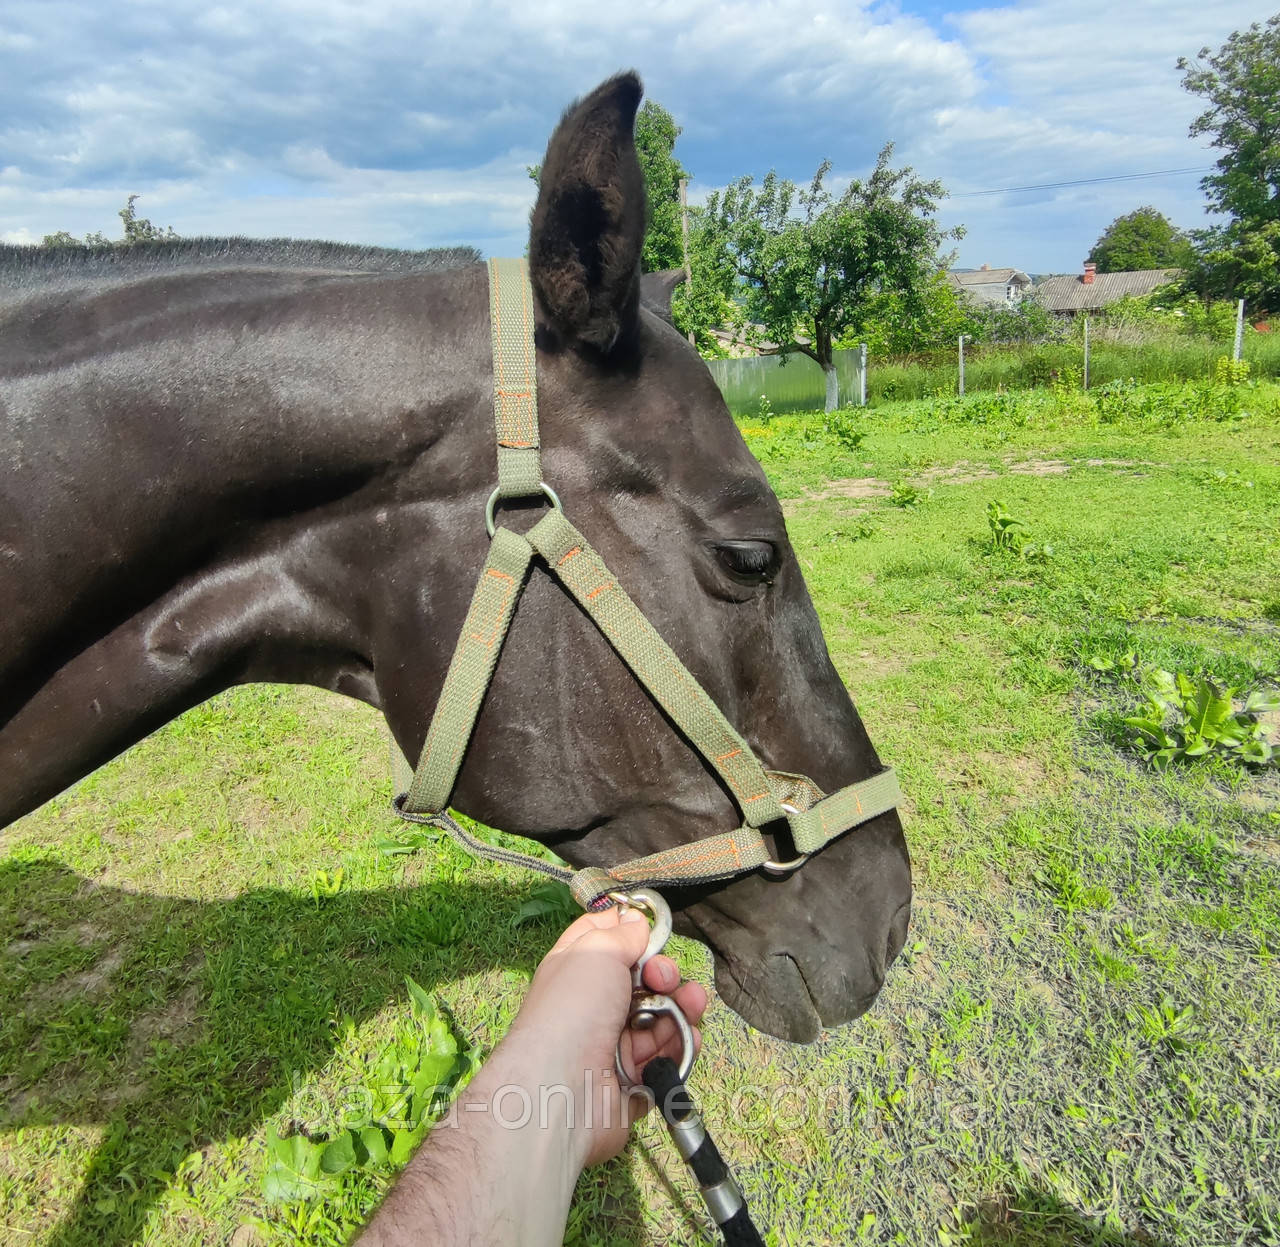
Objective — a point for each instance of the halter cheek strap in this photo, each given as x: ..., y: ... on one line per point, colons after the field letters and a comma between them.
x: 762, y: 796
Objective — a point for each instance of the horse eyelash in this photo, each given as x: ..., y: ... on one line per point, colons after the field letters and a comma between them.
x: 755, y: 559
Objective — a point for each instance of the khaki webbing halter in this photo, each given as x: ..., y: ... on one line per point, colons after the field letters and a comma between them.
x: 763, y: 796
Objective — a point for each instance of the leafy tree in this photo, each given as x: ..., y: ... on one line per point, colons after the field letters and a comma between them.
x: 815, y: 265
x: 1140, y: 240
x: 656, y: 134
x: 139, y: 228
x: 1241, y: 85
x: 706, y: 303
x: 136, y: 229
x: 894, y: 327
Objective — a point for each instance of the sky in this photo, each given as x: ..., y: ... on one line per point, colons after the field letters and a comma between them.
x: 411, y: 124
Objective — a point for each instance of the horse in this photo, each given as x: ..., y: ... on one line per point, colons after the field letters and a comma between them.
x: 226, y: 463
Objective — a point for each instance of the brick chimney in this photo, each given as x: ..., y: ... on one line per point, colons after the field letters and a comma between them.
x: 1089, y: 270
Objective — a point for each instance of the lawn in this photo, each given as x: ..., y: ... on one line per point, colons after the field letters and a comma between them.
x: 1080, y: 1044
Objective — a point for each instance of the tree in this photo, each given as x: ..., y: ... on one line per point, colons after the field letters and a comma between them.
x: 656, y: 134
x: 706, y: 303
x: 941, y: 314
x: 815, y: 264
x: 136, y: 229
x: 1241, y: 85
x: 1140, y: 240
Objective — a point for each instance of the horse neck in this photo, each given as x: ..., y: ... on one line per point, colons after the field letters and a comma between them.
x: 201, y: 503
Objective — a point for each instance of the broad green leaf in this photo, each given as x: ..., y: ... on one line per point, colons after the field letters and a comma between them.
x: 435, y: 1072
x: 340, y: 1155
x: 402, y: 1145
x: 373, y: 1142
x: 424, y: 1002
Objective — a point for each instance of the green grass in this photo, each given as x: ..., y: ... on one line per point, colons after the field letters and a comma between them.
x: 1080, y: 1045
x: 1160, y: 357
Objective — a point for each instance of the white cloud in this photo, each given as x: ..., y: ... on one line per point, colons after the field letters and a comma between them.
x: 401, y: 122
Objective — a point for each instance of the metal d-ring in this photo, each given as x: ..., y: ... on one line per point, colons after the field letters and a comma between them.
x: 646, y: 1006
x: 780, y: 870
x: 490, y: 506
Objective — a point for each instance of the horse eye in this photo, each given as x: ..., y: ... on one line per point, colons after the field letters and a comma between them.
x: 756, y: 561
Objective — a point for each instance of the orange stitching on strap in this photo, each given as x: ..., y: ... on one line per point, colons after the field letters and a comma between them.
x: 566, y: 557
x: 496, y: 622
x: 709, y: 855
x: 598, y: 590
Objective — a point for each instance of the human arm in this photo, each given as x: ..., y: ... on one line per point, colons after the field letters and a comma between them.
x: 501, y: 1168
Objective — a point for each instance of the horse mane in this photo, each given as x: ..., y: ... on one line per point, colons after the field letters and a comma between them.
x: 26, y: 268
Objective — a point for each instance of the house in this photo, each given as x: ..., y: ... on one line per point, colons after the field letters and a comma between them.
x: 999, y: 286
x: 1092, y: 291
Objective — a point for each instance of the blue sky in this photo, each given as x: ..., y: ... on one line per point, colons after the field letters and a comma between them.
x: 410, y: 124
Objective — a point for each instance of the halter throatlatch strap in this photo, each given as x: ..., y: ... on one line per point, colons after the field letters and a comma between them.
x: 764, y: 797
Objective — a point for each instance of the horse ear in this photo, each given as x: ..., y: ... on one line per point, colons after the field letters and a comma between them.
x: 656, y: 290
x: 588, y: 224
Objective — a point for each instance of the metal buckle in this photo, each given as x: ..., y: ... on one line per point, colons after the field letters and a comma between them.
x: 646, y: 1006
x: 490, y: 506
x: 780, y: 870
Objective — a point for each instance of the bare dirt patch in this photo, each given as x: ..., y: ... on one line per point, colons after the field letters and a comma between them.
x: 90, y: 982
x: 1040, y: 467
x: 962, y: 473
x: 855, y: 487
x: 176, y: 1021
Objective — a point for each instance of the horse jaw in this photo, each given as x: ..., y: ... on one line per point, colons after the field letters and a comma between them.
x: 787, y: 972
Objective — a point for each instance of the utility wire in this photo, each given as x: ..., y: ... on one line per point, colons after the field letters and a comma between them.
x: 1046, y: 186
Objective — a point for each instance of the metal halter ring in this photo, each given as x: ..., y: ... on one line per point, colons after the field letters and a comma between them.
x: 489, y: 507
x: 780, y: 870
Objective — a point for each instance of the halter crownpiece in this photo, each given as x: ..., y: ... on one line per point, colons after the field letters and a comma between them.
x: 763, y: 796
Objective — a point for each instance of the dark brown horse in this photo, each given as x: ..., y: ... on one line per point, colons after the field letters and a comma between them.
x: 220, y: 466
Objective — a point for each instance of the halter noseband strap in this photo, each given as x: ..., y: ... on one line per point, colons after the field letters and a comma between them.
x: 763, y: 796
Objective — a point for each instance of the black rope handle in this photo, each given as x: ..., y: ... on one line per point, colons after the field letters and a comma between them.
x: 719, y: 1191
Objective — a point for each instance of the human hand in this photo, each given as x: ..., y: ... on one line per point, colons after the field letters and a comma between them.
x: 576, y: 1007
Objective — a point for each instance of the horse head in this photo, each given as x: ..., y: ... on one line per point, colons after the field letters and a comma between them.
x: 569, y: 748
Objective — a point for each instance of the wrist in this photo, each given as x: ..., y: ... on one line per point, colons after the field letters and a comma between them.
x: 535, y: 1078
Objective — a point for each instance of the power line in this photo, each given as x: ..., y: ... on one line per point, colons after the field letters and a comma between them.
x: 1047, y: 186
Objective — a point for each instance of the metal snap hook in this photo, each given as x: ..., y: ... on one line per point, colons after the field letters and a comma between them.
x: 646, y: 1006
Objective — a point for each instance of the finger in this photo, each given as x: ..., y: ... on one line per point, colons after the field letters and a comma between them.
x: 607, y: 920
x: 692, y: 999
x: 661, y: 974
x: 662, y: 1039
x: 640, y: 1047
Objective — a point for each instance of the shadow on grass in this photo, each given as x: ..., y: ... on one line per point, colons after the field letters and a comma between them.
x: 1027, y: 1217
x: 175, y: 1023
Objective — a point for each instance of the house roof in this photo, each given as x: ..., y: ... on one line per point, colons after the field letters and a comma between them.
x: 1073, y: 294
x: 988, y: 276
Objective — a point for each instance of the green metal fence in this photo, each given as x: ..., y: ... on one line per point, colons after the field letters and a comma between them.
x: 793, y: 384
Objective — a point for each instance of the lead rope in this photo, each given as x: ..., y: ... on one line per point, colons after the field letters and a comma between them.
x: 666, y: 1082
x: 663, y: 1077
x: 720, y: 1193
